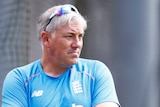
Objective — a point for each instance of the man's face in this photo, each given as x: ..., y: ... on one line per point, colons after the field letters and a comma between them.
x: 66, y: 44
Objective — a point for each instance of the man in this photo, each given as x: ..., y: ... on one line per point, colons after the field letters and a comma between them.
x: 60, y: 78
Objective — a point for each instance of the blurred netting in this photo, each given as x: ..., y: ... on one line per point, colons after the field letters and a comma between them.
x: 18, y: 42
x: 14, y: 30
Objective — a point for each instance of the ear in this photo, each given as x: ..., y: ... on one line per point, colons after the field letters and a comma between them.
x: 45, y: 38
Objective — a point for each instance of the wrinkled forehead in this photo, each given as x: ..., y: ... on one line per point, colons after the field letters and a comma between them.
x: 73, y: 28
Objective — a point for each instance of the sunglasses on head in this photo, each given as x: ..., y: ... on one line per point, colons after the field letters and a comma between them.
x: 61, y: 11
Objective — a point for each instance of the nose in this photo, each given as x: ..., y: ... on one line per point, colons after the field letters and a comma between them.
x: 77, y: 42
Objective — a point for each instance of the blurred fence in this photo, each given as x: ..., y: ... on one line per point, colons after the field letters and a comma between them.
x: 123, y: 34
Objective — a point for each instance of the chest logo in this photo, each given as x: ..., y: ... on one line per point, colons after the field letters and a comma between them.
x: 77, y: 87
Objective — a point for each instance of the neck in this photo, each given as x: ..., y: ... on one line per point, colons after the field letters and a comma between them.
x: 52, y: 69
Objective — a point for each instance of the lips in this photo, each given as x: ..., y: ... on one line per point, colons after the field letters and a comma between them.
x: 74, y: 53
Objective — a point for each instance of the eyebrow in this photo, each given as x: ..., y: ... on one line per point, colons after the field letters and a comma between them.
x: 73, y: 33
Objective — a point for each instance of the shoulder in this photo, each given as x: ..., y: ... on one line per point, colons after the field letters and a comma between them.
x: 90, y: 62
x: 94, y: 67
x: 23, y: 72
x: 14, y: 86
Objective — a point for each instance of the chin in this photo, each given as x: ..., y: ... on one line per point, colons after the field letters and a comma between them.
x: 73, y: 61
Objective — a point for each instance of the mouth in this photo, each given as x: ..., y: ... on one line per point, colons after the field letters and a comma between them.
x: 74, y: 53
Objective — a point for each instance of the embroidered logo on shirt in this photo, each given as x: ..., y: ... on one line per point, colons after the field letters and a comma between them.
x: 74, y: 105
x: 37, y: 93
x: 77, y: 87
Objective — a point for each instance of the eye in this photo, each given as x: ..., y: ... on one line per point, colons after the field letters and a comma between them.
x: 81, y: 35
x: 68, y: 36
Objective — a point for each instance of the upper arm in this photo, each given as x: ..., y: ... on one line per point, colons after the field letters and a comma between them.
x: 104, y: 88
x: 14, y: 92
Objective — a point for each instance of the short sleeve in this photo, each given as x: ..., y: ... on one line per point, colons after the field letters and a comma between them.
x: 13, y: 92
x: 104, y: 88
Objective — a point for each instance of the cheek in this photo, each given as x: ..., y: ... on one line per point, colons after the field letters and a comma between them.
x: 82, y: 43
x: 62, y: 46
